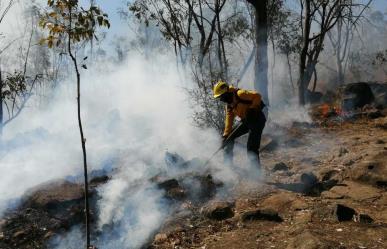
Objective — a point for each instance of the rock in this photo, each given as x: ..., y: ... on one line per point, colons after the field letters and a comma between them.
x: 309, y: 179
x: 280, y: 167
x: 344, y: 213
x: 373, y: 172
x: 331, y: 195
x: 99, y: 180
x: 176, y: 194
x: 352, y: 190
x: 278, y: 202
x: 51, y: 194
x: 200, y: 188
x: 356, y: 95
x: 364, y: 218
x: 218, y: 210
x: 174, y: 160
x: 305, y: 240
x: 168, y: 184
x: 380, y: 92
x: 172, y: 188
x: 261, y: 214
x: 160, y: 238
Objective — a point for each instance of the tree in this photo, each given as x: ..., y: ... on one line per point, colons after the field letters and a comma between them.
x: 318, y: 17
x: 16, y: 86
x: 261, y: 44
x: 202, y: 33
x: 341, y: 40
x: 70, y: 24
x: 179, y: 21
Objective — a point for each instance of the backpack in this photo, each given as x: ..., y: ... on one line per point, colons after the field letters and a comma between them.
x: 247, y: 102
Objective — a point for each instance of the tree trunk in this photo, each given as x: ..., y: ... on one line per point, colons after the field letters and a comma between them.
x: 290, y: 71
x: 339, y: 62
x: 261, y: 43
x: 303, y: 75
x: 1, y: 104
x: 83, y: 142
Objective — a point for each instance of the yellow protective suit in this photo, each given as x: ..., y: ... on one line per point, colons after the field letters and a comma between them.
x: 243, y: 100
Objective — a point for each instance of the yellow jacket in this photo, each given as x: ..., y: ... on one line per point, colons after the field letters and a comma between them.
x: 242, y: 101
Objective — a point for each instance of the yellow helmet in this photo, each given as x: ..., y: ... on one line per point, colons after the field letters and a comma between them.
x: 220, y: 88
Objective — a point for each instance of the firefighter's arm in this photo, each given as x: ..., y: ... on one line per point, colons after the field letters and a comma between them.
x: 228, y: 122
x: 252, y: 96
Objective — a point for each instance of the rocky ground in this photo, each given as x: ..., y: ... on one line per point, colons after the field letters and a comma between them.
x: 324, y: 187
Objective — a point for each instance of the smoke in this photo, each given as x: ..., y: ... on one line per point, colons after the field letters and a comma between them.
x: 132, y: 114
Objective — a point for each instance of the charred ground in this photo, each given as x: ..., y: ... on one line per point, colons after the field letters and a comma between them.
x: 325, y: 187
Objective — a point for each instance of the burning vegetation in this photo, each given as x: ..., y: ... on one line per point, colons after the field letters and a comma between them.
x: 123, y: 138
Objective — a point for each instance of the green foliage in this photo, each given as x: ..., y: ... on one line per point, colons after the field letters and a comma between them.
x: 284, y: 28
x: 380, y: 60
x: 66, y: 19
x: 13, y: 85
x: 170, y: 16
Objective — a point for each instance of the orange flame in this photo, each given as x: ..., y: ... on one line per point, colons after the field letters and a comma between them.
x: 324, y: 110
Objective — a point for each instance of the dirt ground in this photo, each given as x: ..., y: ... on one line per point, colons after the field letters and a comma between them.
x: 324, y: 186
x: 344, y: 207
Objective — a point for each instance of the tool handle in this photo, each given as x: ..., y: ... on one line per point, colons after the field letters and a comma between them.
x: 223, y: 145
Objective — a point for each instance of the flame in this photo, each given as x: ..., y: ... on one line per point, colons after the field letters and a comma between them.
x: 324, y: 109
x: 327, y: 110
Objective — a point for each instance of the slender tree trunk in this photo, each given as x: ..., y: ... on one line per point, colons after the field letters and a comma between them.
x: 83, y: 142
x: 339, y: 62
x: 302, y: 81
x: 340, y: 73
x: 221, y: 49
x: 1, y: 104
x: 290, y: 71
x: 261, y: 58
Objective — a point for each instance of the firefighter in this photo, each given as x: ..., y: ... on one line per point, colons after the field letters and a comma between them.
x: 247, y: 105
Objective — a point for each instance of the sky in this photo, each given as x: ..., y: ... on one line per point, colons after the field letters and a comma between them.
x: 111, y: 7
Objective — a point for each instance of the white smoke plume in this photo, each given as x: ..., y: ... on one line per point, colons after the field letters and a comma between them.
x: 132, y: 114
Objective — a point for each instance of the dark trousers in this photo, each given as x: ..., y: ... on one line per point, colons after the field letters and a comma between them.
x: 252, y: 124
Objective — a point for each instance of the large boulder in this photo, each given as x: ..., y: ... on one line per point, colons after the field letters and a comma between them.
x: 380, y: 92
x: 352, y: 190
x: 54, y: 195
x: 356, y: 95
x: 218, y: 210
x: 373, y: 171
